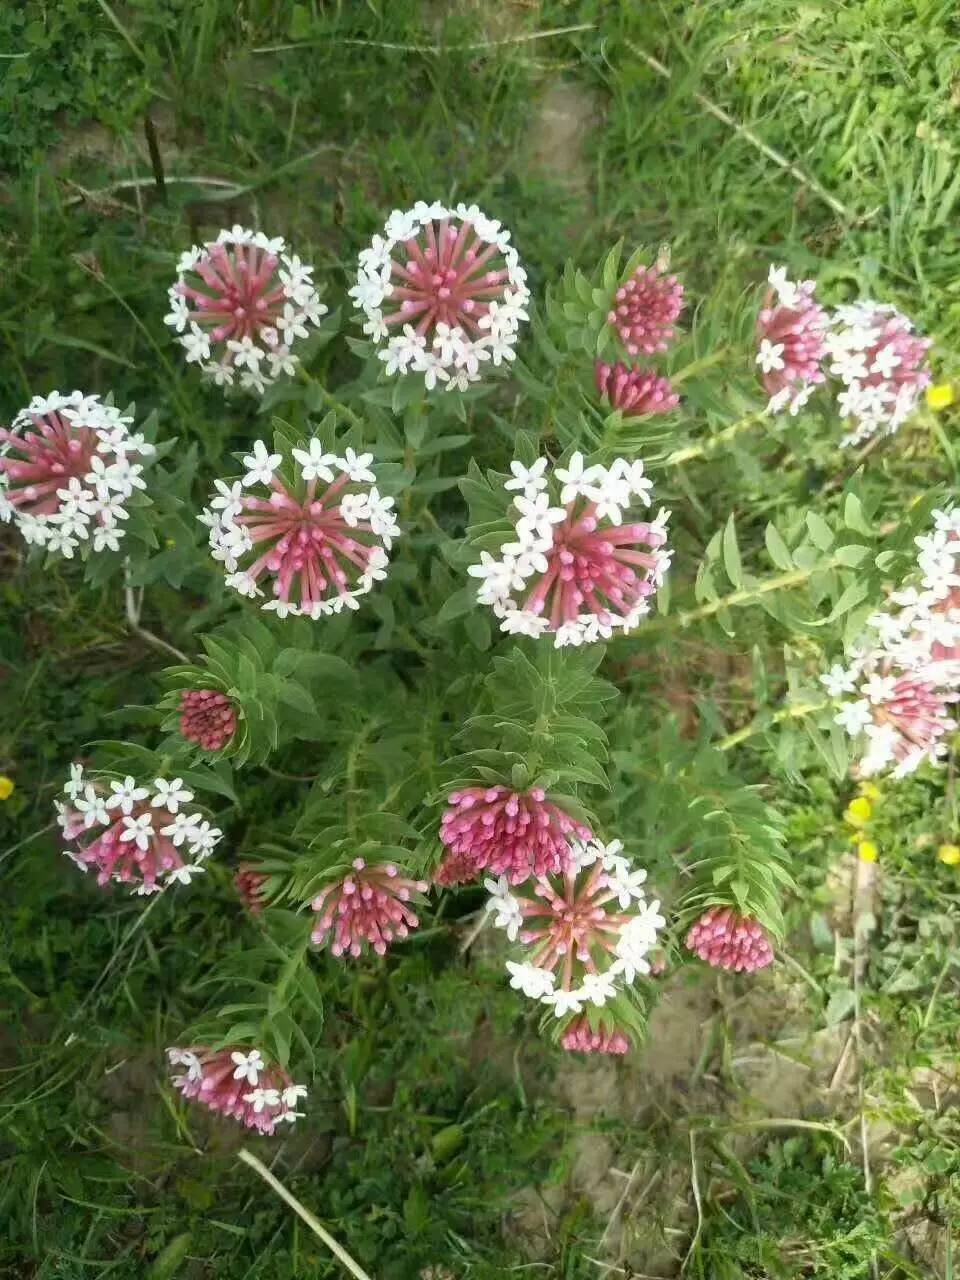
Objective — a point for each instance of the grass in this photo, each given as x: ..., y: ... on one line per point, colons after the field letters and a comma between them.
x: 439, y: 1136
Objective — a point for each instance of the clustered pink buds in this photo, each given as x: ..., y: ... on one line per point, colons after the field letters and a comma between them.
x: 446, y: 289
x: 791, y: 328
x: 207, y: 717
x: 134, y: 834
x: 576, y: 570
x: 635, y: 392
x: 726, y: 940
x: 240, y: 303
x: 249, y: 883
x: 512, y: 834
x: 644, y: 310
x: 67, y: 472
x: 367, y: 907
x: 238, y: 1084
x: 580, y: 1037
x: 318, y: 536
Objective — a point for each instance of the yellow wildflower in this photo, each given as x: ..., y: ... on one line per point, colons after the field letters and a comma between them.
x: 858, y: 812
x: 6, y: 787
x: 871, y: 791
x: 949, y: 853
x: 867, y: 851
x: 941, y: 396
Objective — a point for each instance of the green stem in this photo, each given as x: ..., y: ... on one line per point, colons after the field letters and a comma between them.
x: 709, y: 446
x: 745, y: 596
x: 330, y: 400
x: 795, y: 712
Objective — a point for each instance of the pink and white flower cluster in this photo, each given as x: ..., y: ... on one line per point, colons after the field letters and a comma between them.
x: 578, y: 567
x: 68, y: 467
x: 133, y: 834
x: 238, y: 1084
x: 903, y: 681
x: 312, y: 533
x: 587, y: 933
x: 240, y: 304
x: 443, y: 293
x: 868, y: 346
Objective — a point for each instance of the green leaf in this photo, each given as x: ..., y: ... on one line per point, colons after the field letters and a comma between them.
x: 731, y: 554
x: 777, y: 549
x: 456, y: 605
x: 821, y: 535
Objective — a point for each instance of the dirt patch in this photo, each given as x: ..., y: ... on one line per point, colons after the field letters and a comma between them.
x: 565, y: 117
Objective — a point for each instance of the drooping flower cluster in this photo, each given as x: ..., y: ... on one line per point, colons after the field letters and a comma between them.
x: 882, y: 365
x: 240, y: 303
x: 587, y: 933
x: 790, y: 328
x: 868, y: 346
x: 250, y: 883
x: 207, y: 717
x: 644, y: 309
x: 67, y: 470
x: 726, y: 940
x: 368, y: 907
x: 443, y: 292
x: 905, y: 677
x: 509, y: 833
x: 133, y: 834
x: 635, y: 392
x: 580, y: 1037
x: 238, y: 1084
x: 313, y: 534
x: 580, y: 570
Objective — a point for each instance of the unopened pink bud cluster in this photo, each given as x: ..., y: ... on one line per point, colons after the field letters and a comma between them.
x: 369, y: 907
x: 726, y: 940
x: 239, y: 1084
x: 509, y: 833
x: 637, y: 393
x: 208, y: 718
x: 644, y: 309
x: 580, y: 1037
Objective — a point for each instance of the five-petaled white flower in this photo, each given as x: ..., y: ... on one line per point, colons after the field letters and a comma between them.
x: 248, y: 1065
x: 139, y: 830
x: 126, y: 794
x: 170, y: 795
x: 315, y: 464
x: 260, y: 464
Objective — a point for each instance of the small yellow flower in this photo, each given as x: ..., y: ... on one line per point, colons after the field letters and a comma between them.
x: 6, y: 787
x: 941, y: 396
x: 949, y: 853
x: 858, y: 812
x: 870, y: 790
x: 867, y: 851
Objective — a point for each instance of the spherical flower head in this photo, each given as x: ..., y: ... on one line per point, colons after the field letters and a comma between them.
x: 147, y: 835
x: 310, y: 531
x: 579, y: 566
x: 250, y: 884
x: 7, y: 787
x: 644, y: 309
x: 208, y: 718
x: 585, y: 934
x: 580, y: 1037
x: 882, y: 365
x: 509, y: 833
x: 636, y: 392
x: 68, y: 467
x: 791, y: 330
x: 238, y: 1083
x: 240, y: 304
x: 443, y: 292
x: 368, y: 907
x: 726, y: 940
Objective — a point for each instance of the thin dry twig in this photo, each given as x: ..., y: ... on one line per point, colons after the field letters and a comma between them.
x: 134, y: 603
x: 475, y: 45
x: 805, y: 179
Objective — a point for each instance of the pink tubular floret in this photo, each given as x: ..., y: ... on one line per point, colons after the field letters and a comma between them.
x: 726, y: 940
x: 644, y: 309
x: 579, y: 1037
x: 207, y: 718
x: 635, y: 392
x: 367, y: 907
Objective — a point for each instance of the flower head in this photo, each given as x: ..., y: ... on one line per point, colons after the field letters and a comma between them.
x: 132, y: 834
x: 635, y: 392
x: 726, y: 940
x: 238, y: 1084
x: 882, y: 365
x: 240, y: 304
x: 512, y: 834
x: 208, y: 718
x: 644, y: 309
x: 580, y: 1037
x: 791, y: 345
x: 443, y: 292
x: 250, y: 883
x: 317, y: 545
x: 67, y: 470
x: 369, y: 906
x: 582, y: 569
x: 581, y: 945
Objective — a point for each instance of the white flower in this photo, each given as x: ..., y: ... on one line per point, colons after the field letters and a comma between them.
x: 183, y: 1057
x: 517, y: 622
x: 626, y: 883
x: 105, y: 536
x: 229, y: 499
x: 537, y: 517
x: 563, y: 1002
x: 854, y: 716
x: 530, y: 480
x: 248, y: 1066
x: 126, y: 795
x: 575, y: 479
x: 184, y: 874
x: 182, y: 828
x: 770, y: 356
x: 261, y: 1098
x: 292, y: 1094
x: 315, y: 464
x: 170, y: 795
x: 838, y: 680
x: 139, y: 830
x: 75, y: 784
x: 260, y: 464
x: 504, y: 906
x: 531, y: 980
x: 879, y: 688
x: 598, y: 988
x: 204, y: 839
x: 357, y: 466
x: 354, y: 507
x: 92, y: 807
